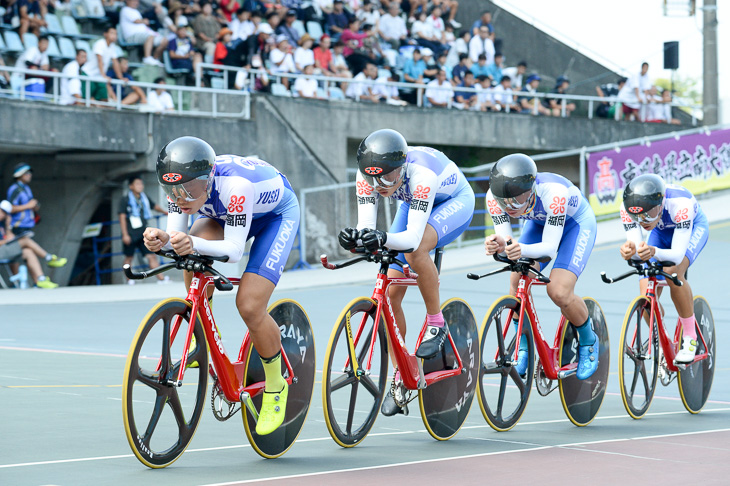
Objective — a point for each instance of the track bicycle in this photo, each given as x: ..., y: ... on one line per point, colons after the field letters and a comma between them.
x: 356, y: 363
x: 502, y: 392
x: 648, y: 351
x: 163, y: 397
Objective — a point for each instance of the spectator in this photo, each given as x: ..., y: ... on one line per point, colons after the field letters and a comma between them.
x: 461, y: 46
x: 436, y: 23
x: 286, y: 28
x: 441, y: 64
x: 135, y: 30
x: 304, y: 55
x: 365, y: 91
x: 62, y: 7
x: 206, y: 28
x: 516, y: 73
x: 449, y: 36
x: 390, y: 93
x: 135, y: 211
x: 352, y: 37
x: 221, y: 47
x: 37, y: 55
x: 4, y: 75
x: 439, y: 91
x: 466, y: 100
x: 485, y: 94
x: 241, y: 25
x: 23, y: 247
x: 306, y: 87
x: 71, y: 93
x: 633, y: 94
x: 228, y: 8
x: 32, y: 15
x: 431, y: 65
x: 556, y: 104
x: 103, y: 55
x: 339, y: 62
x: 130, y: 94
x: 528, y: 103
x: 457, y: 74
x: 607, y: 109
x: 659, y: 109
x: 414, y: 68
x: 485, y: 20
x: 504, y: 100
x: 417, y: 6
x: 480, y: 68
x: 481, y: 44
x: 261, y: 79
x: 392, y: 28
x: 368, y: 14
x: 338, y: 20
x: 259, y: 45
x: 281, y: 59
x: 273, y: 20
x: 448, y: 8
x: 323, y: 57
x: 323, y: 8
x: 494, y: 70
x: 424, y: 34
x: 182, y: 54
x: 159, y: 100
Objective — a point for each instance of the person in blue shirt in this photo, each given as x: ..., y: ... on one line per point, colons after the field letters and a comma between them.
x: 457, y: 74
x: 414, y: 68
x: 338, y: 20
x: 467, y: 100
x: 480, y: 68
x: 130, y: 94
x: 494, y: 70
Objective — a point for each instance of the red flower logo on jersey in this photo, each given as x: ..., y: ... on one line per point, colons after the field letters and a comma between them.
x: 373, y: 170
x: 494, y: 207
x: 236, y: 204
x: 364, y: 189
x: 171, y: 177
x: 558, y: 205
x: 421, y: 192
x: 635, y: 209
x: 625, y: 217
x: 681, y: 215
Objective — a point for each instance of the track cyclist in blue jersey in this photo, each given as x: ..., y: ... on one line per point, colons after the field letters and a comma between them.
x: 559, y: 225
x: 678, y: 231
x: 237, y: 198
x: 436, y: 205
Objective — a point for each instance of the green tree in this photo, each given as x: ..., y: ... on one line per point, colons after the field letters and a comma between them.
x: 686, y: 90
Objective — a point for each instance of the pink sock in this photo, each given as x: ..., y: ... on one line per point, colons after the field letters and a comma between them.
x: 688, y: 326
x: 436, y: 320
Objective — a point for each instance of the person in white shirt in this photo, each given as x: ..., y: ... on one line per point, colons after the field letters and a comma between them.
x: 633, y: 94
x: 482, y: 44
x: 436, y: 23
x: 391, y: 26
x: 516, y: 74
x: 70, y: 83
x: 390, y: 94
x: 306, y: 87
x: 241, y: 25
x: 439, y: 91
x: 135, y: 30
x: 368, y: 14
x: 503, y: 97
x: 103, y: 54
x: 659, y: 109
x: 159, y: 100
x: 304, y: 55
x: 461, y: 46
x: 363, y: 91
x: 281, y: 59
x: 37, y: 55
x: 485, y: 96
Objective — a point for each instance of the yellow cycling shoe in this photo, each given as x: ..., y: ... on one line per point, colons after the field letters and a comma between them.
x: 273, y: 409
x: 46, y: 284
x: 56, y: 262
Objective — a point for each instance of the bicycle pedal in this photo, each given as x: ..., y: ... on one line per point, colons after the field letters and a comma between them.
x: 681, y: 366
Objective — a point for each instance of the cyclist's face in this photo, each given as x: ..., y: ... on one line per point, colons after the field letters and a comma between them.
x: 515, y: 206
x: 388, y: 191
x: 189, y: 197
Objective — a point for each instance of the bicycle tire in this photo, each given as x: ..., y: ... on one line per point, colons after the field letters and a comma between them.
x: 445, y: 404
x: 695, y: 382
x: 582, y: 399
x: 157, y: 448
x: 297, y: 340
x: 338, y: 378
x: 490, y: 344
x: 632, y: 362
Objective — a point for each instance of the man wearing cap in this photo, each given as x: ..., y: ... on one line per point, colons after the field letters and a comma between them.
x: 527, y: 103
x: 304, y: 55
x: 286, y: 28
x: 556, y: 104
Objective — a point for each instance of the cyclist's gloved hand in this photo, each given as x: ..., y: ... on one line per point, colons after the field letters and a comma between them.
x: 372, y: 239
x: 348, y: 238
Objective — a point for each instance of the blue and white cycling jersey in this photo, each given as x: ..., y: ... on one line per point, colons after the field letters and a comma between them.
x: 560, y: 224
x: 249, y: 198
x: 682, y: 230
x: 434, y: 191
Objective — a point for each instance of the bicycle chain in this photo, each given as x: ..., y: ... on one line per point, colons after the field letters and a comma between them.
x: 217, y: 393
x: 408, y: 394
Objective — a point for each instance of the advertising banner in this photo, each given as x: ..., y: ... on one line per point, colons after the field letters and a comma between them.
x: 700, y: 162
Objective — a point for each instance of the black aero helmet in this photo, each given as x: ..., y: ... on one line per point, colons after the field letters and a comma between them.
x: 184, y: 168
x: 644, y: 197
x: 381, y: 157
x: 512, y: 176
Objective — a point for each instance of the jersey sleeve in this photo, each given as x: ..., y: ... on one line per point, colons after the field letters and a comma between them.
x: 502, y: 224
x: 683, y: 213
x: 176, y: 221
x: 424, y: 185
x: 555, y: 203
x: 631, y: 227
x: 367, y: 203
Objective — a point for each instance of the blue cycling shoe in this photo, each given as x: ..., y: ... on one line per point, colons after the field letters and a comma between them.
x: 587, y: 360
x: 522, y: 361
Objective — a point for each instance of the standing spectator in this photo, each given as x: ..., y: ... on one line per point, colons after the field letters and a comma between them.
x: 32, y: 15
x: 338, y: 20
x: 323, y: 57
x: 555, y: 104
x: 504, y: 100
x: 241, y: 25
x: 258, y: 45
x: 71, y: 93
x: 286, y: 28
x: 527, y: 102
x: 481, y: 44
x: 448, y: 9
x: 352, y: 37
x: 130, y: 94
x: 494, y: 70
x: 485, y: 20
x: 368, y: 14
x: 633, y: 94
x: 159, y: 100
x: 365, y: 91
x: 607, y: 109
x: 414, y: 68
x: 304, y: 55
x: 135, y: 211
x: 516, y: 73
x: 480, y: 68
x: 461, y: 46
x: 439, y: 91
x: 206, y: 28
x: 485, y: 94
x: 135, y: 30
x: 306, y: 87
x: 457, y: 74
x: 392, y: 28
x: 281, y: 59
x: 466, y: 100
x: 103, y: 55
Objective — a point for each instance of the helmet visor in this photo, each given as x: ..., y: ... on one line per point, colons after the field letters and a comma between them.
x: 646, y: 217
x: 189, y: 191
x: 386, y: 181
x: 517, y: 203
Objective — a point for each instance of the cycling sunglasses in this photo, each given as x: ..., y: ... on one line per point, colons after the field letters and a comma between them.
x: 514, y: 203
x: 189, y: 191
x: 387, y: 181
x: 646, y: 217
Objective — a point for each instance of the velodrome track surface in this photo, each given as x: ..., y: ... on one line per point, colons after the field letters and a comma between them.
x: 61, y: 368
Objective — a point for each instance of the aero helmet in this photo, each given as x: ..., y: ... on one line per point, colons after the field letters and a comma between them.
x: 512, y: 177
x: 644, y: 198
x: 185, y: 167
x: 381, y: 158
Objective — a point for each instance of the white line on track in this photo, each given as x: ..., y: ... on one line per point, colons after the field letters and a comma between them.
x: 61, y: 351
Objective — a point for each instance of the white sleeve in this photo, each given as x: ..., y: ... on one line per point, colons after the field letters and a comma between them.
x: 424, y: 184
x: 238, y: 195
x: 631, y: 227
x: 683, y: 217
x: 502, y: 224
x: 555, y: 203
x: 367, y: 203
x: 176, y: 221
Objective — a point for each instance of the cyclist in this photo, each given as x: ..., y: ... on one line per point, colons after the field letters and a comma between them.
x: 237, y: 198
x: 678, y: 231
x: 559, y: 225
x: 436, y: 206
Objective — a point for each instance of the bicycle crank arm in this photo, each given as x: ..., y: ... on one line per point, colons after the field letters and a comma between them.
x: 566, y: 373
x: 248, y: 401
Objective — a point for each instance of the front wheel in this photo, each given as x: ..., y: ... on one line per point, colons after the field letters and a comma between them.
x: 695, y: 381
x: 161, y: 414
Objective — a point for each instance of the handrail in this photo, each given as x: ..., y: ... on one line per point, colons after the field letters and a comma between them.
x: 119, y: 84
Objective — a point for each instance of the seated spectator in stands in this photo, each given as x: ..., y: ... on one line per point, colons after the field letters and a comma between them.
x: 414, y: 68
x: 439, y: 91
x: 431, y: 65
x: 304, y: 55
x: 425, y: 36
x: 365, y: 91
x: 259, y: 45
x: 32, y: 15
x: 448, y: 10
x: 528, y: 103
x: 441, y: 64
x: 338, y: 20
x: 206, y: 27
x: 281, y: 59
x: 607, y: 109
x: 241, y: 25
x: 390, y: 94
x: 71, y: 93
x: 556, y: 104
x: 261, y: 79
x: 485, y: 94
x: 466, y: 100
x: 339, y: 63
x: 36, y: 55
x: 659, y: 109
x: 369, y: 13
x: 515, y: 73
x: 286, y: 28
x: 481, y: 44
x: 436, y: 23
x: 417, y: 6
x: 306, y: 87
x: 461, y: 46
x: 352, y: 36
x: 504, y: 100
x: 323, y: 57
x: 103, y: 56
x: 449, y: 36
x: 322, y: 9
x: 4, y: 75
x: 159, y: 100
x: 457, y: 73
x: 494, y: 70
x: 228, y: 8
x: 484, y: 20
x: 182, y: 54
x: 135, y: 30
x: 392, y: 28
x: 480, y: 67
x: 130, y: 94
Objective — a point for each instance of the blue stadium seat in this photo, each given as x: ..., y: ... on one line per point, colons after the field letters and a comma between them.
x: 315, y: 30
x: 54, y: 25
x: 67, y: 48
x: 168, y: 64
x: 71, y: 28
x: 298, y: 25
x: 12, y: 42
x: 321, y: 93
x: 30, y: 40
x: 336, y: 93
x: 278, y: 89
x: 217, y: 83
x: 84, y: 45
x: 53, y: 50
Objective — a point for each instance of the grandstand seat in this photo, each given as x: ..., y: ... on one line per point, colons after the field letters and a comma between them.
x: 67, y: 48
x: 71, y: 28
x: 298, y: 25
x: 168, y: 65
x: 383, y: 73
x: 315, y: 30
x: 53, y: 50
x: 12, y: 42
x: 84, y: 45
x: 30, y: 40
x: 54, y: 25
x: 336, y: 93
x: 321, y: 93
x: 120, y: 39
x: 278, y: 89
x: 217, y: 83
x: 3, y: 47
x: 94, y: 9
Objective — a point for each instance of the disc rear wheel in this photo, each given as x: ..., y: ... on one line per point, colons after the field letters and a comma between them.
x: 695, y: 381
